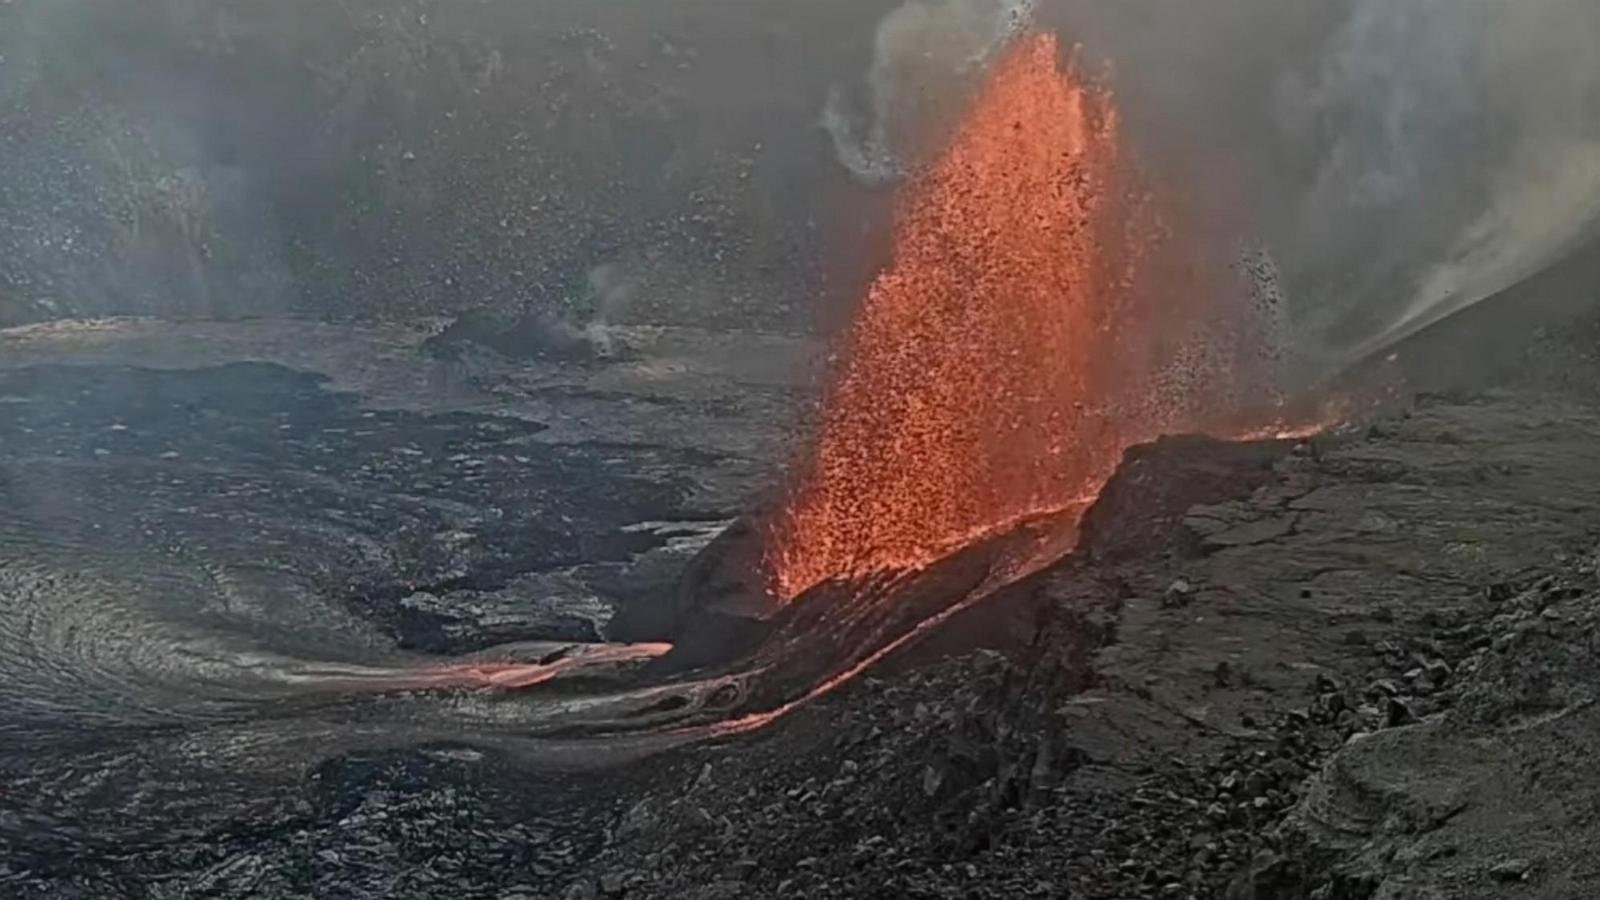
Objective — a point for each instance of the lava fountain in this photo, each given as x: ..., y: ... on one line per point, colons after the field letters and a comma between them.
x: 1039, y: 315
x: 1010, y: 350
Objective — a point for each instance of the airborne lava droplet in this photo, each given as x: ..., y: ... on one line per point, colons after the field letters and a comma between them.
x: 1007, y: 355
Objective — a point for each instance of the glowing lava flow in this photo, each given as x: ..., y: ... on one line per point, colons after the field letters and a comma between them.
x: 970, y: 389
x: 502, y: 674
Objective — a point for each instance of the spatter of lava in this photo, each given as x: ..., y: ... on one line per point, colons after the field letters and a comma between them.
x: 1024, y: 333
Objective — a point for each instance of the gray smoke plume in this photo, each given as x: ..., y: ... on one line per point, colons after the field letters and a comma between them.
x: 1401, y: 160
x: 1537, y: 78
x: 612, y: 292
x: 1463, y: 138
x: 926, y: 54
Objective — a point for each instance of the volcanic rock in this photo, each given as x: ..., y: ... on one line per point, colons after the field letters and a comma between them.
x: 1397, y: 713
x: 612, y: 884
x: 1177, y: 595
x: 537, y: 335
x: 1511, y: 870
x: 1490, y: 771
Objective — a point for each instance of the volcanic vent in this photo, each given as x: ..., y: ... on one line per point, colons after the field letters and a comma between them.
x: 1027, y: 329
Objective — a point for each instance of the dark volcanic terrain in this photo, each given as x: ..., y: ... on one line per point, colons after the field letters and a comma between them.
x: 1369, y: 674
x: 1360, y: 666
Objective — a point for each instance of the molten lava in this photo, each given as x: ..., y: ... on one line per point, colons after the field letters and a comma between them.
x: 1012, y: 348
x: 966, y: 396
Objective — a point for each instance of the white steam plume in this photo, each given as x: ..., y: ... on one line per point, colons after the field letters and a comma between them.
x: 925, y: 56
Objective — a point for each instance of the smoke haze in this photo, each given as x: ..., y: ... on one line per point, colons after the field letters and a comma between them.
x: 926, y: 56
x: 1392, y: 161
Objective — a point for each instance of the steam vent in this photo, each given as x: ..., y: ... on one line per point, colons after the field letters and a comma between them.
x: 884, y: 448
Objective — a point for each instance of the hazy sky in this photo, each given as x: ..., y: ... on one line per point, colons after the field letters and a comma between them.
x: 1397, y: 158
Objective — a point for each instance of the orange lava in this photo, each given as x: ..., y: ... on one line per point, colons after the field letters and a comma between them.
x: 517, y: 675
x: 1026, y: 331
x: 962, y: 399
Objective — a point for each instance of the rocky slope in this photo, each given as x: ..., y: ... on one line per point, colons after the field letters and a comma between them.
x: 1366, y: 676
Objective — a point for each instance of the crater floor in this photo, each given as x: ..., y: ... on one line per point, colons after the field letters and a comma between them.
x: 1358, y: 667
